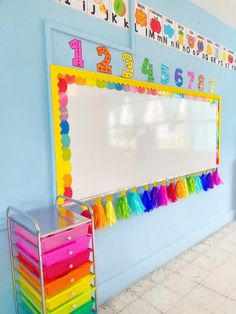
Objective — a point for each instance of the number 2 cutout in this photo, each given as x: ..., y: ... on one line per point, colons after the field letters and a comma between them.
x: 76, y: 45
x: 129, y: 65
x: 104, y: 66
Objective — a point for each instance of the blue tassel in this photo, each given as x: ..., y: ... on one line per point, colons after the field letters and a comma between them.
x: 147, y: 201
x: 198, y: 184
x: 204, y: 184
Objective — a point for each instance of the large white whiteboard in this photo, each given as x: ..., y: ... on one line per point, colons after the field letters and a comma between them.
x: 121, y: 139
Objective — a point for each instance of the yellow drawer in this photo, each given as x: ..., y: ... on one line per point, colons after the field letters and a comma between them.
x: 65, y: 308
x: 81, y: 286
x: 51, y: 303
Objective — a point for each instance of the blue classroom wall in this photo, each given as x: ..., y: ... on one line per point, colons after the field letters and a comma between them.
x: 132, y: 248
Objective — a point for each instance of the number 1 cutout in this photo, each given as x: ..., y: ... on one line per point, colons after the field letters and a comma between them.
x: 76, y: 45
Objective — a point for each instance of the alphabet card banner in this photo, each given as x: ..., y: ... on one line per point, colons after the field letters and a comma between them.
x: 155, y: 26
x: 113, y: 11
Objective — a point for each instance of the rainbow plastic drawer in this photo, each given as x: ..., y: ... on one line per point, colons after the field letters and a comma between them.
x: 59, y: 284
x: 74, y: 304
x: 77, y: 289
x: 56, y: 240
x: 53, y: 257
x: 57, y: 270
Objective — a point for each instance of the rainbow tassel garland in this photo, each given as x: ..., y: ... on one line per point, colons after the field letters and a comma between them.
x: 133, y: 204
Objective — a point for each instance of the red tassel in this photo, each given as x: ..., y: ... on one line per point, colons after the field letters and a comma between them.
x: 171, y: 193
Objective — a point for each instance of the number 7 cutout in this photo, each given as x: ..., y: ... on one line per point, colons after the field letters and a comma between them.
x: 104, y: 66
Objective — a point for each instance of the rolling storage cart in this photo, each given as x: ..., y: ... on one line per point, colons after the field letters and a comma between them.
x: 53, y: 261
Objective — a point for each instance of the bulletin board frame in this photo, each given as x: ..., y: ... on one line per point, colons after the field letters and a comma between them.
x: 62, y: 76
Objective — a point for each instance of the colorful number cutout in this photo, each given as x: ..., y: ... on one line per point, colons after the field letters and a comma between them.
x: 212, y: 85
x: 165, y: 74
x: 191, y: 76
x: 147, y: 68
x: 129, y: 65
x: 76, y: 45
x: 178, y: 77
x: 201, y: 83
x: 104, y: 66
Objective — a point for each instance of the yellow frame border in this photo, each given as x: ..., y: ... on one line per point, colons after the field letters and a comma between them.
x: 63, y: 167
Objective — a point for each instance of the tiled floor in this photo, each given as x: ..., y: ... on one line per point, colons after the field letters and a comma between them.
x: 200, y: 281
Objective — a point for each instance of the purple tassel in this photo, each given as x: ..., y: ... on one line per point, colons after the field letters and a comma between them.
x: 209, y: 181
x: 163, y: 195
x: 147, y: 201
x: 154, y: 196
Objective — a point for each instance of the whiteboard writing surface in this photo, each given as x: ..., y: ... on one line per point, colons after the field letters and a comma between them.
x: 120, y: 139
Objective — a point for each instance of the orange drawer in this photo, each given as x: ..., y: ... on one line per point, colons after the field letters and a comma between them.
x: 61, y: 283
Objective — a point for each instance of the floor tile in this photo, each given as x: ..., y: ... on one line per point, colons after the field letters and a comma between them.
x: 178, y: 284
x: 143, y: 286
x: 231, y: 237
x: 118, y: 303
x: 176, y: 264
x: 205, y: 298
x: 104, y: 309
x: 223, y: 280
x: 226, y: 246
x: 207, y: 263
x: 217, y: 254
x: 201, y: 247
x: 189, y: 255
x: 161, y: 298
x: 186, y: 307
x: 160, y: 275
x: 194, y: 273
x: 228, y: 307
x: 140, y: 307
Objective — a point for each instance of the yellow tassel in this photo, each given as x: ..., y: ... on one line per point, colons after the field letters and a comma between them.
x: 110, y: 212
x: 185, y: 185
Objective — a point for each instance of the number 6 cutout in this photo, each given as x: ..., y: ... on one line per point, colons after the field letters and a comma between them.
x: 104, y: 66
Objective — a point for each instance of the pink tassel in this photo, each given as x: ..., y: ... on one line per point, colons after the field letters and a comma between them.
x: 163, y: 198
x: 216, y: 178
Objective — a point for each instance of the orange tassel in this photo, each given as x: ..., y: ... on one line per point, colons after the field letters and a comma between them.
x: 99, y: 215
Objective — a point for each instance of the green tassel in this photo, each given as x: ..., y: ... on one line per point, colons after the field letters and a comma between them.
x: 124, y: 210
x: 191, y: 185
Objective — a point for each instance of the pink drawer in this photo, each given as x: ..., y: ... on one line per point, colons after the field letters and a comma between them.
x: 54, y: 241
x: 60, y: 254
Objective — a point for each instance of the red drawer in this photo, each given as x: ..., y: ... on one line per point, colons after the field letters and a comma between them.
x: 56, y: 270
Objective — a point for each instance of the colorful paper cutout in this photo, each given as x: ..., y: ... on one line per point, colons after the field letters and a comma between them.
x: 120, y: 13
x: 99, y: 9
x: 165, y: 74
x: 155, y: 25
x: 147, y: 68
x: 76, y: 45
x: 104, y: 66
x: 168, y: 32
x: 141, y: 19
x: 178, y: 77
x: 129, y: 65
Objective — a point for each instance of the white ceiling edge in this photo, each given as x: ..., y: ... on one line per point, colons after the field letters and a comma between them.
x: 223, y: 10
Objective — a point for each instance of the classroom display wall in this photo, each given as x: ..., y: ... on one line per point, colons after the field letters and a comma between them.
x: 133, y: 248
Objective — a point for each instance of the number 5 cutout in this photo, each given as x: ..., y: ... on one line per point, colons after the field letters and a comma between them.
x: 104, y: 66
x: 129, y: 65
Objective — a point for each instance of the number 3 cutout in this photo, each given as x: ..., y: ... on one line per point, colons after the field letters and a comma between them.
x: 104, y: 66
x: 129, y: 65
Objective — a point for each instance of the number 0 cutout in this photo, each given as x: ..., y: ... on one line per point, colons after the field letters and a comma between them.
x: 104, y: 66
